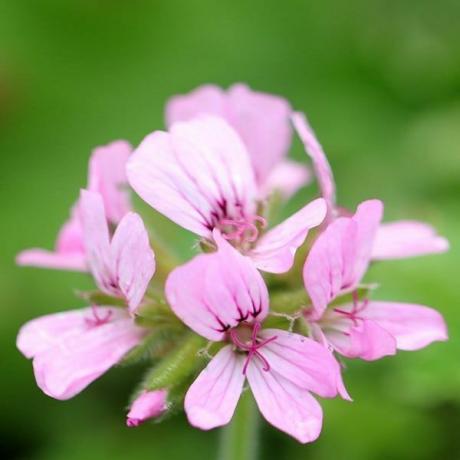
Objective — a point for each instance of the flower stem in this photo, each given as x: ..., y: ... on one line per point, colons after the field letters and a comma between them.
x: 239, y: 440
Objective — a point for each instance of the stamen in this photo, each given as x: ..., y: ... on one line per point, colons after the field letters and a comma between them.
x: 97, y: 320
x: 357, y: 308
x: 242, y: 229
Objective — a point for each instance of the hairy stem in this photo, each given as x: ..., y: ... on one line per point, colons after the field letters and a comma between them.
x: 239, y: 440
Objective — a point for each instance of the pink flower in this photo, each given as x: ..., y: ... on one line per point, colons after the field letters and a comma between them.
x: 107, y: 176
x: 223, y: 297
x: 199, y: 175
x: 149, y: 404
x: 72, y: 349
x: 261, y: 120
x: 394, y: 240
x: 362, y: 328
x: 124, y: 264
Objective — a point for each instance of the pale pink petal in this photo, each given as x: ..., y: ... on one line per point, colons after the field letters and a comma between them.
x: 276, y: 250
x: 48, y: 259
x: 195, y: 175
x: 413, y: 326
x: 149, y: 404
x: 407, y: 238
x: 340, y: 256
x: 97, y: 240
x: 132, y: 258
x: 206, y: 99
x: 214, y: 292
x: 321, y: 165
x: 301, y: 360
x: 107, y: 176
x: 262, y: 121
x: 212, y: 398
x: 285, y: 405
x: 286, y: 177
x: 69, y: 366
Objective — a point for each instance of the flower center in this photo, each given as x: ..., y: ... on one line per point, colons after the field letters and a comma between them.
x: 247, y: 341
x: 95, y: 319
x: 358, y: 307
x: 242, y: 230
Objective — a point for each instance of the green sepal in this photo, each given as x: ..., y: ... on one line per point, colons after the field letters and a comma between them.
x: 155, y: 313
x: 101, y: 299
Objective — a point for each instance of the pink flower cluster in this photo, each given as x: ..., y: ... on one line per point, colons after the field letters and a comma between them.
x: 214, y: 172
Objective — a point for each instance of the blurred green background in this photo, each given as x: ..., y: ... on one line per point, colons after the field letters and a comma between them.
x: 380, y: 81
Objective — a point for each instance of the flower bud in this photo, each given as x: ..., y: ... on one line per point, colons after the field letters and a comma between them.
x: 148, y: 404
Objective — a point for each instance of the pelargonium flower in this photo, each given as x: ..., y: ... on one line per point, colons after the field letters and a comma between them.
x: 394, y: 240
x: 199, y: 175
x: 72, y: 349
x: 362, y: 328
x: 106, y: 176
x: 223, y: 297
x: 261, y: 120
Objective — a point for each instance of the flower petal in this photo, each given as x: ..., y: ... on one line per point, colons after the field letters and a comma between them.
x: 407, y: 238
x: 287, y: 177
x: 133, y: 259
x: 301, y: 360
x: 275, y: 251
x: 214, y: 292
x: 212, y: 398
x: 107, y: 176
x: 195, y: 175
x: 321, y: 165
x: 285, y: 405
x: 82, y: 352
x: 413, y: 326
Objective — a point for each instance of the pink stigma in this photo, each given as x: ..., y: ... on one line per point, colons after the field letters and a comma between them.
x: 97, y: 320
x: 253, y: 347
x: 243, y: 229
x: 357, y: 308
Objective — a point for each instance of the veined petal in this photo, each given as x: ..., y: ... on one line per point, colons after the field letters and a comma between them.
x: 287, y: 177
x: 107, y: 176
x: 196, y: 175
x: 133, y: 259
x: 302, y: 361
x: 78, y: 358
x: 285, y: 405
x: 214, y: 292
x: 212, y: 398
x: 407, y: 238
x: 275, y: 251
x: 314, y: 150
x: 413, y: 326
x: 97, y: 240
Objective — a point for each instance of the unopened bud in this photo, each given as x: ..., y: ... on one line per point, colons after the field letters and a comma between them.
x: 149, y: 404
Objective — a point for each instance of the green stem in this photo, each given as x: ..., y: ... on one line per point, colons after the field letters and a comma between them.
x: 239, y: 440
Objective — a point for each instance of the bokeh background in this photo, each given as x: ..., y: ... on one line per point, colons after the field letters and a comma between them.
x: 380, y: 81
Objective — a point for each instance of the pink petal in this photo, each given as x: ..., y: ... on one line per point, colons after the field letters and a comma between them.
x: 261, y: 120
x: 206, y: 99
x: 133, y: 259
x: 321, y: 165
x: 212, y: 398
x: 285, y: 405
x: 195, y: 175
x: 276, y: 250
x: 286, y: 177
x: 413, y: 326
x: 81, y: 352
x: 149, y: 404
x: 340, y: 256
x: 405, y: 238
x: 97, y: 242
x: 107, y: 176
x: 302, y: 361
x: 214, y: 292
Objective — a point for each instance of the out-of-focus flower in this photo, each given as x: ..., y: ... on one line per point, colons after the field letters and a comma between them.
x: 262, y: 122
x: 395, y: 240
x: 362, y: 328
x: 72, y: 349
x: 149, y: 404
x: 106, y: 176
x: 199, y: 175
x: 124, y: 264
x: 223, y: 297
